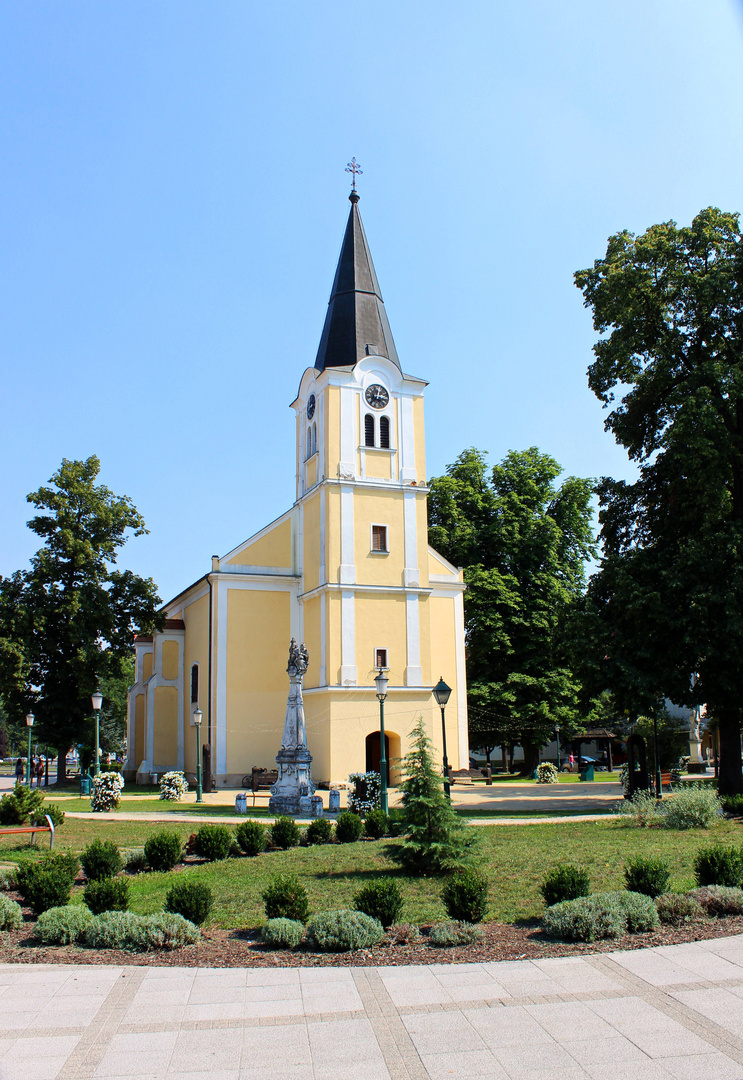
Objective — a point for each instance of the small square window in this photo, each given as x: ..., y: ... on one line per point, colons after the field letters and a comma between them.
x: 379, y: 538
x: 380, y: 658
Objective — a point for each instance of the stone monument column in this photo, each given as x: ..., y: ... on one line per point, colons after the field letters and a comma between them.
x: 293, y: 759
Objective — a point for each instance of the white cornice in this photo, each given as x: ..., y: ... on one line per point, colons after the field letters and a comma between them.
x: 334, y: 586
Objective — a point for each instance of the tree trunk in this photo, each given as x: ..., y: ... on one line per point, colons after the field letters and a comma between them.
x: 61, y: 766
x: 504, y: 758
x: 531, y: 758
x: 731, y: 761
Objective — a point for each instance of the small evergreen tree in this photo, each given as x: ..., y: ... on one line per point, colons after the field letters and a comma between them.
x: 434, y: 839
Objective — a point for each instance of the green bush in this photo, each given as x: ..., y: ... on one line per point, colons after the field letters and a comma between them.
x: 17, y: 806
x: 163, y: 850
x: 11, y: 916
x: 282, y: 933
x: 139, y: 933
x: 676, y: 908
x: 603, y: 915
x: 285, y: 833
x: 377, y: 824
x: 694, y: 807
x: 465, y: 896
x: 213, y: 842
x: 348, y: 827
x: 448, y: 934
x: 251, y: 836
x: 647, y: 876
x: 47, y: 883
x: 65, y: 861
x: 719, y: 899
x: 8, y: 878
x: 63, y: 925
x: 135, y: 860
x: 286, y: 898
x: 320, y: 831
x: 642, y: 810
x: 564, y: 882
x: 382, y: 900
x: 732, y: 804
x: 396, y: 823
x: 107, y: 894
x: 718, y: 865
x: 52, y: 810
x: 343, y: 931
x: 101, y: 859
x: 111, y: 930
x: 403, y: 934
x: 191, y: 899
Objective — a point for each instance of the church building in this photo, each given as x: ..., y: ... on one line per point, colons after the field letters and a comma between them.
x: 347, y: 570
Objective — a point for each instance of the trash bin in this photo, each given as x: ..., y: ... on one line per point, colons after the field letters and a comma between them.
x: 586, y: 772
x: 241, y: 803
x: 85, y: 784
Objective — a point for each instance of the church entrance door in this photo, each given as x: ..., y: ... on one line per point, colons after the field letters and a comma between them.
x: 374, y: 752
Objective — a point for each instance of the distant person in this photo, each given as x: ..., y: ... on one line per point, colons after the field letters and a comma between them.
x: 19, y: 771
x: 571, y: 762
x: 39, y: 772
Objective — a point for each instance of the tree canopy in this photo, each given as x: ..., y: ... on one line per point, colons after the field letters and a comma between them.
x: 68, y: 623
x: 523, y: 543
x: 668, y: 600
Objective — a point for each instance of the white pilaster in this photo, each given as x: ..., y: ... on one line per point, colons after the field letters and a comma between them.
x: 407, y: 441
x: 182, y: 718
x: 349, y: 440
x: 322, y: 679
x: 413, y: 671
x: 348, y: 639
x: 220, y: 759
x: 411, y: 573
x: 348, y: 567
x: 322, y: 576
x: 464, y: 745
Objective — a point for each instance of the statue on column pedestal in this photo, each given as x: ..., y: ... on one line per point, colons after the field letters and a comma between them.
x: 293, y: 759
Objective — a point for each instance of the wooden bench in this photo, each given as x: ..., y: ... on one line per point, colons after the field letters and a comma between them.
x: 33, y: 829
x: 665, y: 780
x: 260, y: 780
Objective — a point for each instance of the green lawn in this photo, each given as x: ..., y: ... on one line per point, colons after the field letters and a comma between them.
x: 515, y: 859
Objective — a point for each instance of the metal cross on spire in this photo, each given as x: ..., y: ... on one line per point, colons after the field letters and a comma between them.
x: 353, y: 167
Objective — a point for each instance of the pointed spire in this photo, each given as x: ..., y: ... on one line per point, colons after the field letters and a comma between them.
x: 356, y: 323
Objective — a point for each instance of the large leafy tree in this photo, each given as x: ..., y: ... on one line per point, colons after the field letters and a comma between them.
x: 68, y: 622
x: 668, y: 600
x: 523, y: 543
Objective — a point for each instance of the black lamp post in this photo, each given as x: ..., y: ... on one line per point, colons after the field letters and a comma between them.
x: 29, y: 725
x: 557, y: 740
x: 442, y: 693
x: 381, y: 684
x: 97, y: 700
x: 656, y: 755
x: 198, y: 716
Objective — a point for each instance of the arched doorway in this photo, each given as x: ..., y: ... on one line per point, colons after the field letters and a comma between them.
x: 374, y: 754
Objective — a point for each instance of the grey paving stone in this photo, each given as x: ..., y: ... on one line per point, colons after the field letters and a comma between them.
x: 654, y: 967
x: 544, y: 1059
x: 513, y: 1026
x: 570, y: 1020
x: 701, y: 962
x: 714, y: 1066
x: 466, y: 1063
x: 664, y: 1044
x: 439, y: 1033
x: 721, y: 1006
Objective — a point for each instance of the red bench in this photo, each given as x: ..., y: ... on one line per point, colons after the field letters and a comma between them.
x: 33, y: 829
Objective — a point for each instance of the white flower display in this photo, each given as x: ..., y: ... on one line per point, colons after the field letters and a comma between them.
x: 173, y: 786
x: 107, y: 787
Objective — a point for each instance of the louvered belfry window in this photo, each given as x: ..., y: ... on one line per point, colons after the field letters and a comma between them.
x: 368, y: 430
x: 384, y: 432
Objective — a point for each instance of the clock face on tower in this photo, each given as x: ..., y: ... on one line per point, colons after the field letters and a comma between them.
x: 376, y: 396
x: 311, y: 407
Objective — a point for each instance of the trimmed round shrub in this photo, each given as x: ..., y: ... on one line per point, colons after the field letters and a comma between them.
x: 191, y: 899
x: 465, y: 896
x: 282, y: 933
x: 111, y: 930
x: 52, y: 810
x: 733, y: 805
x: 11, y: 916
x: 343, y: 931
x: 139, y: 933
x: 718, y: 865
x: 135, y: 860
x: 213, y: 842
x: 286, y: 898
x: 348, y: 827
x: 101, y: 859
x: 63, y: 925
x: 107, y: 788
x: 251, y: 836
x: 603, y: 915
x: 44, y: 885
x: 719, y: 899
x: 108, y: 894
x: 446, y: 935
x: 695, y: 807
x: 647, y: 876
x: 285, y: 833
x: 320, y: 831
x: 564, y: 882
x: 377, y: 824
x: 8, y: 878
x: 382, y: 900
x: 163, y: 850
x: 676, y: 908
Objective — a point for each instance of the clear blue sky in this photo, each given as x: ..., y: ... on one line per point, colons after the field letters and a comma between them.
x: 174, y: 196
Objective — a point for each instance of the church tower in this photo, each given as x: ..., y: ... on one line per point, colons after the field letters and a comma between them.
x: 348, y: 570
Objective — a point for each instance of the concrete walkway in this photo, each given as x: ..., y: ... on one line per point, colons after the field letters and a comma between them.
x: 672, y: 1013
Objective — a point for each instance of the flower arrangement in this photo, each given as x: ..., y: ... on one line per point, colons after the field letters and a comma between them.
x: 367, y: 788
x: 173, y: 786
x: 547, y: 773
x: 106, y: 791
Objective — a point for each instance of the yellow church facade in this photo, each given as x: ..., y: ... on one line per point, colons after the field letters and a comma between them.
x: 347, y: 570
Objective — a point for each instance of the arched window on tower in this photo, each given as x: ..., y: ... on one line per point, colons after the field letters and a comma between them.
x: 384, y: 432
x: 194, y: 684
x: 308, y: 447
x: 368, y: 430
x: 314, y: 438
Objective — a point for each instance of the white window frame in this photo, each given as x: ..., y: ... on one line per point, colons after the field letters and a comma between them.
x: 379, y: 525
x: 386, y: 665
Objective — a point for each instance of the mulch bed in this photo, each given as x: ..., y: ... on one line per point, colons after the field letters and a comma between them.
x: 241, y: 948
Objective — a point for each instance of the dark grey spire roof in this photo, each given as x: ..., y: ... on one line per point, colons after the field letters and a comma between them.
x: 356, y: 323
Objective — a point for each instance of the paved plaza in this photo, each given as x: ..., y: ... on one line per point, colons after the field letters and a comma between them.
x: 653, y: 1014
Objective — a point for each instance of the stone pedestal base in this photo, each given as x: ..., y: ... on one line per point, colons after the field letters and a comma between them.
x: 294, y: 782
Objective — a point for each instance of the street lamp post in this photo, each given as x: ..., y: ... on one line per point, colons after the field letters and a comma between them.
x: 198, y: 716
x: 557, y: 739
x: 29, y: 725
x: 97, y: 700
x: 381, y: 684
x: 442, y: 692
x: 656, y: 755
